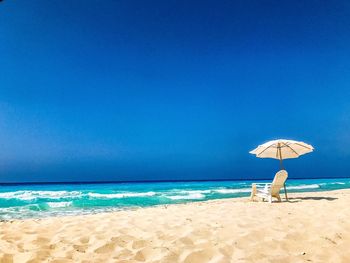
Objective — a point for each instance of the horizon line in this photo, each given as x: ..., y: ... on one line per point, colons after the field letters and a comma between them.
x: 159, y: 181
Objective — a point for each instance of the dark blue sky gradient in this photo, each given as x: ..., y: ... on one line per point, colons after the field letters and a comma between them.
x: 152, y: 90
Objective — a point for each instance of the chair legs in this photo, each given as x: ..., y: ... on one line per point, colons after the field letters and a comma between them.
x: 269, y: 198
x: 278, y: 198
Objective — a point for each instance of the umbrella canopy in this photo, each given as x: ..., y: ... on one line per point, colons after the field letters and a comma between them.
x: 282, y: 149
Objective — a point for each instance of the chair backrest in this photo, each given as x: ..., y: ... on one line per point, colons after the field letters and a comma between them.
x: 278, y: 181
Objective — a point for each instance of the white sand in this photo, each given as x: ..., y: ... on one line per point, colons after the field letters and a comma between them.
x: 313, y: 227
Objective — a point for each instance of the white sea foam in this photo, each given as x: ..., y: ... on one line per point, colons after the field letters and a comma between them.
x: 23, y: 195
x: 120, y: 195
x: 57, y: 194
x: 59, y: 204
x: 186, y: 197
x: 304, y: 186
x: 31, y: 195
x: 233, y: 191
x: 194, y: 192
x: 333, y: 183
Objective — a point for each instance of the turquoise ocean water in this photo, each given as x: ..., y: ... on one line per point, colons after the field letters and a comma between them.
x: 42, y: 200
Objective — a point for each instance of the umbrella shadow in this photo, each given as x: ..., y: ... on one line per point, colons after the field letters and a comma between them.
x: 315, y: 198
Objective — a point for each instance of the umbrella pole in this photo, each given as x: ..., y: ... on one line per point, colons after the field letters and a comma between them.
x: 282, y: 168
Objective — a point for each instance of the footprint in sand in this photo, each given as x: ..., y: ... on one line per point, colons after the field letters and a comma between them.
x: 106, y: 248
x: 80, y: 248
x: 170, y: 257
x: 84, y: 240
x: 145, y: 254
x: 40, y: 256
x: 140, y: 244
x: 199, y: 256
x: 41, y: 240
x: 186, y: 241
x: 122, y: 241
x: 20, y: 247
x: 11, y: 237
x: 226, y: 250
x: 124, y: 255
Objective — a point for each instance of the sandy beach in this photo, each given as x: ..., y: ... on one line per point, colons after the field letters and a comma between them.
x: 312, y: 227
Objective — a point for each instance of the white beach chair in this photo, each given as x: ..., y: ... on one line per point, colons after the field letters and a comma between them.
x: 267, y: 191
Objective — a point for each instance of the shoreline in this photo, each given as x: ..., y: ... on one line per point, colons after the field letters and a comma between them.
x: 21, y: 202
x: 311, y: 226
x: 235, y: 199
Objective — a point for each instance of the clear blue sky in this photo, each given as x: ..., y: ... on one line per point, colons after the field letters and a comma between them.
x: 141, y: 90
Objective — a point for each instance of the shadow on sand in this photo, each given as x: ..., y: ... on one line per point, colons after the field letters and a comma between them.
x: 315, y: 198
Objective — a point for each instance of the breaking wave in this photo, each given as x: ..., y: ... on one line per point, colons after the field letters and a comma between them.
x: 120, y: 195
x: 59, y: 204
x: 32, y: 195
x: 233, y: 191
x: 304, y: 186
x: 192, y: 196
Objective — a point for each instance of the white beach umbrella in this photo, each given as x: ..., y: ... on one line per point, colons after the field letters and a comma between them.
x: 282, y: 149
